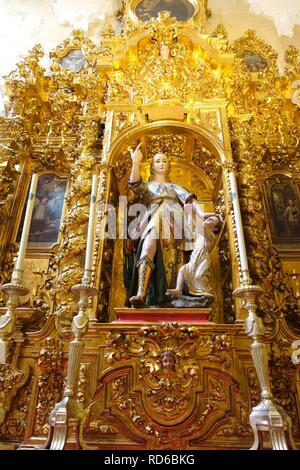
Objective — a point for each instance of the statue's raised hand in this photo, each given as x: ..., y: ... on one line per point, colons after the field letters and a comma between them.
x: 136, y: 155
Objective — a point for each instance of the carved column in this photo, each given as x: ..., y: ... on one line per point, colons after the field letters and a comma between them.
x: 249, y: 158
x: 13, y: 148
x: 70, y: 255
x: 296, y: 362
x: 266, y: 417
x: 66, y: 415
x: 241, y: 138
x: 101, y: 243
x: 237, y: 224
x: 12, y: 379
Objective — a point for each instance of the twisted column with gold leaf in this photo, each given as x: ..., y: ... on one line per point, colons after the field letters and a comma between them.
x: 265, y: 417
x: 66, y: 415
x: 14, y: 289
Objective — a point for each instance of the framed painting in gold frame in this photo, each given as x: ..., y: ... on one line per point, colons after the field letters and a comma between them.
x: 282, y: 198
x: 47, y: 212
x: 253, y: 61
x: 182, y: 10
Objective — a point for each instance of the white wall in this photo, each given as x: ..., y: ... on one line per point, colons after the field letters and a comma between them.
x: 24, y: 23
x: 237, y: 18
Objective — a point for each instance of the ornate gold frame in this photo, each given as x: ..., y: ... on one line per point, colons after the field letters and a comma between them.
x: 134, y: 3
x: 283, y: 245
x: 23, y: 200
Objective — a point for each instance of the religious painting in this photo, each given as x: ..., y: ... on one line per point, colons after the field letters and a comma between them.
x: 283, y: 203
x: 47, y: 211
x: 74, y: 60
x: 254, y: 62
x: 182, y: 10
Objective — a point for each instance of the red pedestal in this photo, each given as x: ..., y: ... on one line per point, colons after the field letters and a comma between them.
x: 159, y: 315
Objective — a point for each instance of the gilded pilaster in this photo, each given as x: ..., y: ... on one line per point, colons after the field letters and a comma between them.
x: 71, y: 253
x: 12, y: 379
x: 250, y: 193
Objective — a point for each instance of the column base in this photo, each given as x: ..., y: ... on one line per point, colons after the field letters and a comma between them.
x: 64, y: 426
x: 273, y: 420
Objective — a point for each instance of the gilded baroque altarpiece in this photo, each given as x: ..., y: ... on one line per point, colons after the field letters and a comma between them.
x: 216, y: 108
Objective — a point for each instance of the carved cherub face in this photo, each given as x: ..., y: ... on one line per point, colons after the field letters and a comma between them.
x: 160, y: 164
x: 168, y: 360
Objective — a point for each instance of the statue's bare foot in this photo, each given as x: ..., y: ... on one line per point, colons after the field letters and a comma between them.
x: 173, y: 293
x: 137, y: 301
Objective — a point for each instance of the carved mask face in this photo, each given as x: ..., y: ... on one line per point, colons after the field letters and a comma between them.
x: 168, y: 361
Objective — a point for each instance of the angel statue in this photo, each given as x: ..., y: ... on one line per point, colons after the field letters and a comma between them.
x: 164, y: 221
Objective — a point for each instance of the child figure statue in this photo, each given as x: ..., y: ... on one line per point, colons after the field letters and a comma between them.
x: 196, y: 274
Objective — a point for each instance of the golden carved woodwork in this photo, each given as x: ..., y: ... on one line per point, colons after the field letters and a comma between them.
x: 284, y: 396
x: 82, y: 385
x: 139, y: 402
x: 12, y: 379
x: 16, y: 420
x: 174, y: 88
x: 166, y: 59
x: 50, y: 366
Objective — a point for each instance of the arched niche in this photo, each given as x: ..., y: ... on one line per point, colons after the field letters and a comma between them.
x: 196, y: 155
